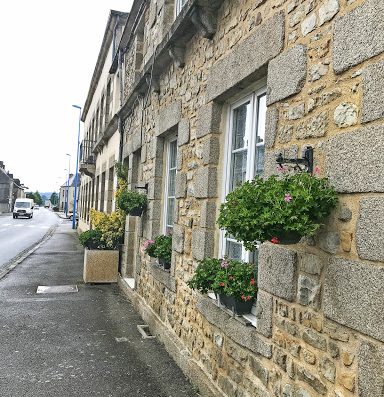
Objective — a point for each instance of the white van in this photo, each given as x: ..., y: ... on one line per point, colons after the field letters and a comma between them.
x: 23, y: 207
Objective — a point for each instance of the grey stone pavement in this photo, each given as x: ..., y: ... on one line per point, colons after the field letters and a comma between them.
x: 84, y: 343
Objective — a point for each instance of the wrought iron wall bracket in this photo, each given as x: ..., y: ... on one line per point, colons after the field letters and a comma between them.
x: 303, y: 164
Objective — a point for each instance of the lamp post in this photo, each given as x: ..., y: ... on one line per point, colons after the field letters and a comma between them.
x: 67, y: 191
x: 76, y: 170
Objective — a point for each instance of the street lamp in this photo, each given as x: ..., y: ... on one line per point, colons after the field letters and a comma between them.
x: 76, y: 171
x: 67, y: 192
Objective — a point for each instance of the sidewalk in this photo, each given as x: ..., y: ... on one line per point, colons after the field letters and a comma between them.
x: 82, y: 343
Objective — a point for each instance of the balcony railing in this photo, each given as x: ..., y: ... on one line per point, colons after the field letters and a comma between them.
x: 86, y: 154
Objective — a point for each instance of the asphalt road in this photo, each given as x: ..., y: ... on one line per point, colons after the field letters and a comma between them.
x: 16, y: 235
x: 77, y: 343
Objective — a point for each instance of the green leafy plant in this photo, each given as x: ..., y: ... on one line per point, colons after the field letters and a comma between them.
x: 90, y: 239
x: 226, y: 276
x: 160, y: 247
x: 267, y: 209
x: 107, y: 232
x: 121, y: 171
x: 130, y: 200
x: 205, y: 274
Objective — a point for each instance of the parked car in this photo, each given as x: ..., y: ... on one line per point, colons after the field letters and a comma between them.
x: 36, y: 207
x: 23, y: 207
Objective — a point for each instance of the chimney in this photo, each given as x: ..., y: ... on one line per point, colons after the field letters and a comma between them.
x: 2, y: 164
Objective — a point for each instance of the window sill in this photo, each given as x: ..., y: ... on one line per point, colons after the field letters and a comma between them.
x: 245, y: 319
x: 237, y: 328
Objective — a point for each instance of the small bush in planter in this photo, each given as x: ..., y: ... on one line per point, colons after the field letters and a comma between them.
x: 90, y: 239
x: 269, y: 209
x: 131, y: 201
x: 107, y: 232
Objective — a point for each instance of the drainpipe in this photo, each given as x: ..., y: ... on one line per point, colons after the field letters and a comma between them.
x: 119, y: 120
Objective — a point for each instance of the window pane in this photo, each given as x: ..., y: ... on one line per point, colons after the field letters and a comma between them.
x: 171, y: 182
x: 170, y: 212
x: 239, y: 169
x: 260, y: 139
x: 239, y: 126
x: 233, y: 250
x: 172, y: 154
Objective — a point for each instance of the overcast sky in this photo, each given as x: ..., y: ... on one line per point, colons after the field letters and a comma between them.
x: 48, y: 54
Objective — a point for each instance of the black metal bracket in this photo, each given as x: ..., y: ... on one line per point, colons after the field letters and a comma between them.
x: 303, y: 164
x: 145, y: 187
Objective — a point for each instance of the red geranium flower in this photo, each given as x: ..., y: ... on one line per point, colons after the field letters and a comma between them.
x: 222, y: 284
x: 275, y: 240
x: 252, y: 281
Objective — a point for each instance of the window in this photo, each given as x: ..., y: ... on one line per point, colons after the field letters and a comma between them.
x: 178, y: 6
x: 170, y: 179
x: 245, y: 155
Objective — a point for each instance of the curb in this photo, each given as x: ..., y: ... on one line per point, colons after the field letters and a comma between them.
x: 11, y: 264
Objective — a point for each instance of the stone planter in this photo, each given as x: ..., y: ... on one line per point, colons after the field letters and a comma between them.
x: 238, y: 307
x: 138, y: 211
x: 100, y: 266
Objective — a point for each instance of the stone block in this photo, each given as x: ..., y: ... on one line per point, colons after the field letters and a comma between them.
x: 208, y: 215
x: 371, y: 370
x: 178, y: 239
x: 309, y: 263
x: 373, y: 88
x: 169, y: 117
x: 206, y: 182
x: 286, y: 74
x: 277, y: 270
x: 370, y: 229
x: 264, y: 311
x: 353, y: 296
x: 271, y: 120
x: 155, y: 189
x: 180, y: 184
x: 354, y: 160
x: 211, y: 150
x: 259, y: 369
x: 136, y: 140
x: 203, y: 243
x: 328, y: 10
x: 247, y: 62
x: 315, y: 339
x: 308, y: 291
x: 183, y: 132
x: 241, y: 334
x: 316, y: 384
x: 208, y: 119
x: 358, y: 35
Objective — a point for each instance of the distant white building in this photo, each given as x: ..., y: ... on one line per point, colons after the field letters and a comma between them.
x: 67, y: 189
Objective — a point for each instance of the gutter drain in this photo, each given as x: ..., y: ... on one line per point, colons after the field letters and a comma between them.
x: 145, y: 331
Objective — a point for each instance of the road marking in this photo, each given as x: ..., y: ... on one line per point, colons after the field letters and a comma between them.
x: 18, y: 225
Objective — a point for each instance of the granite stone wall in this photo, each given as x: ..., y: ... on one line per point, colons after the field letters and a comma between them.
x: 318, y: 328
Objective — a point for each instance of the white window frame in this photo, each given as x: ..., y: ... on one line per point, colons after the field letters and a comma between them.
x: 167, y: 145
x: 251, y: 138
x: 179, y: 4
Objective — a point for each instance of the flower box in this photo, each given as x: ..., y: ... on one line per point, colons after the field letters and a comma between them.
x: 238, y: 307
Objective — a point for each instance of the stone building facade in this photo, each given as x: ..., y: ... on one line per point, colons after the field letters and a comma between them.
x: 100, y: 146
x: 10, y: 190
x: 279, y: 76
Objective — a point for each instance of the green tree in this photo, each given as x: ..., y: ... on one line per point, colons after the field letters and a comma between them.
x: 38, y: 199
x: 54, y: 198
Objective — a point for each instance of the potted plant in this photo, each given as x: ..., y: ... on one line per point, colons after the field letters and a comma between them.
x: 101, y: 256
x: 279, y: 209
x: 131, y: 201
x: 160, y: 248
x: 233, y: 281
